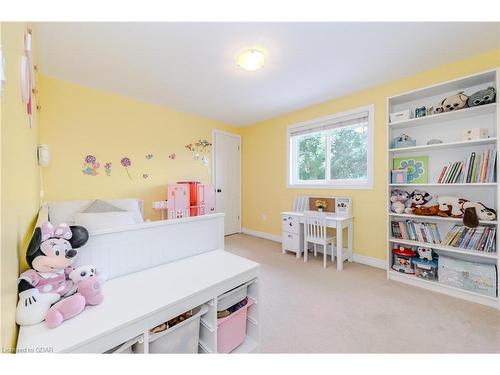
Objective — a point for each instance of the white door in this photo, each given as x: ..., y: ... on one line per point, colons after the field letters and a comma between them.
x: 227, y: 179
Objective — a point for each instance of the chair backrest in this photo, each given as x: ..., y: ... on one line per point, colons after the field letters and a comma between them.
x: 315, y: 226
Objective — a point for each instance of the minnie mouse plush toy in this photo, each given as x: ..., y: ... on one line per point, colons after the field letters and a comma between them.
x: 50, y: 254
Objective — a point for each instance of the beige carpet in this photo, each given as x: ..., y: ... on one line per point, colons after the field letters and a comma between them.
x: 306, y: 309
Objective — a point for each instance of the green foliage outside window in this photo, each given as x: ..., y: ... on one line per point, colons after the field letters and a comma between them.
x: 311, y: 157
x: 348, y: 154
x: 348, y: 147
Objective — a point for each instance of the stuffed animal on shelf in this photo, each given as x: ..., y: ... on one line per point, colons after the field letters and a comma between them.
x: 424, y: 253
x: 398, y: 200
x: 50, y: 254
x: 482, y: 97
x: 426, y: 210
x: 450, y: 206
x: 418, y: 199
x: 475, y: 211
x: 454, y: 102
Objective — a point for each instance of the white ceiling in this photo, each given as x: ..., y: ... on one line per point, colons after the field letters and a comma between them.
x: 190, y: 66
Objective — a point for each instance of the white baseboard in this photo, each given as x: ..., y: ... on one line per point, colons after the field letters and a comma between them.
x: 369, y: 261
x: 264, y: 235
x: 357, y: 258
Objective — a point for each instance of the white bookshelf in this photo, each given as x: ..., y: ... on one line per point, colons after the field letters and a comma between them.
x: 448, y: 128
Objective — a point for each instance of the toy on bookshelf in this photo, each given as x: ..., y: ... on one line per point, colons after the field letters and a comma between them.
x: 450, y: 206
x: 454, y: 102
x: 398, y: 200
x: 403, y: 141
x: 419, y: 198
x: 482, y: 97
x: 403, y: 258
x: 475, y: 211
x: 424, y: 253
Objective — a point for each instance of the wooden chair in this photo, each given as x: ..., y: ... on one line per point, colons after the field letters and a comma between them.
x: 315, y: 232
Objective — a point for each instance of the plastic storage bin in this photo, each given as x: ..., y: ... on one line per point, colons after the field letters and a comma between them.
x: 426, y: 269
x: 475, y: 277
x: 403, y: 260
x: 231, y: 330
x: 181, y: 338
x: 232, y: 297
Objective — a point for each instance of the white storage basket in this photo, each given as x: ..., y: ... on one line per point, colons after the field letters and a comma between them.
x: 181, y: 338
x: 476, y: 277
x: 125, y: 348
x: 232, y: 297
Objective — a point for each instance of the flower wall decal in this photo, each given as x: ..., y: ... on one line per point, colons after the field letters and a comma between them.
x: 90, y: 165
x: 107, y: 168
x: 126, y: 162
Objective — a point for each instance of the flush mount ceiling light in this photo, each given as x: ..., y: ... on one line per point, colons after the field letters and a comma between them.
x: 251, y: 59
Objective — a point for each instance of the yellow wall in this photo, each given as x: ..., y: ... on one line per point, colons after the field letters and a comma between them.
x: 77, y: 121
x: 19, y: 179
x: 264, y: 144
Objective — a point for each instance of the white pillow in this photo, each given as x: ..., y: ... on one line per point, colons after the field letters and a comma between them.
x: 64, y: 211
x: 131, y: 205
x: 104, y: 220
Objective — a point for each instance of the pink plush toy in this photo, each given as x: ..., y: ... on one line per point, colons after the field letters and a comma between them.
x: 51, y: 253
x: 88, y: 293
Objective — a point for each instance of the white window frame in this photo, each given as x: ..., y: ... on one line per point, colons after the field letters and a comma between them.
x: 330, y: 184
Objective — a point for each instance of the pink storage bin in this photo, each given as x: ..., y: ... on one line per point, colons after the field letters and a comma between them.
x: 232, y: 330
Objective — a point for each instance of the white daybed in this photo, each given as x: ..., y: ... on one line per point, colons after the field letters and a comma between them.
x: 155, y: 272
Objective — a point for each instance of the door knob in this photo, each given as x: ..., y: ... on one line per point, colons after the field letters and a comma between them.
x: 219, y: 190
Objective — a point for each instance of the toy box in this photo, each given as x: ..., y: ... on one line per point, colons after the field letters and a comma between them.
x: 399, y: 176
x: 403, y: 258
x: 426, y: 269
x: 474, y: 134
x: 475, y: 277
x: 400, y: 116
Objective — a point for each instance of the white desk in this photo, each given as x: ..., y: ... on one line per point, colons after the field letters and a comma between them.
x: 293, y: 234
x: 136, y: 302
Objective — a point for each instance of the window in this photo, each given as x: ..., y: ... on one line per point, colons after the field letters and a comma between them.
x: 335, y: 151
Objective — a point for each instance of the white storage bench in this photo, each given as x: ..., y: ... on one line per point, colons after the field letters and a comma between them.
x: 137, y: 302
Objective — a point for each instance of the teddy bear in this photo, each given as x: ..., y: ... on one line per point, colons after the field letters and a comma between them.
x: 454, y: 102
x: 47, y: 287
x: 398, y: 200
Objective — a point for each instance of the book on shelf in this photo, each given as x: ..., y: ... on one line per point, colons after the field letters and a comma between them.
x: 481, y: 238
x: 476, y: 168
x: 416, y: 231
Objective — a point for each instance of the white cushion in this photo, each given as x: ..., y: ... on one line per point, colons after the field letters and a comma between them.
x: 104, y: 220
x: 131, y: 205
x: 64, y: 211
x: 99, y: 206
